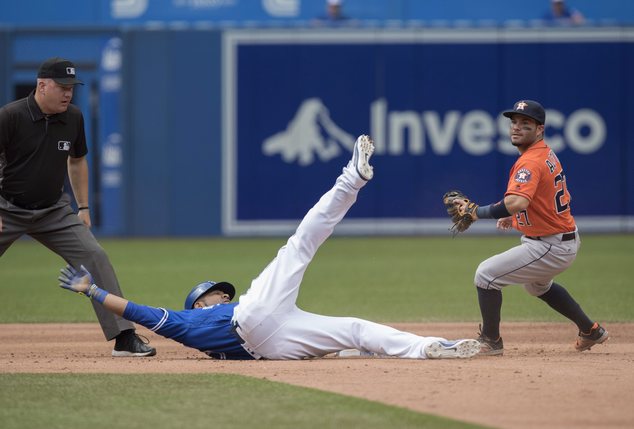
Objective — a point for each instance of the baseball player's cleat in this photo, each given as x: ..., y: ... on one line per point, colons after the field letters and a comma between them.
x: 129, y: 344
x: 597, y: 335
x: 363, y: 150
x: 489, y: 347
x: 452, y: 349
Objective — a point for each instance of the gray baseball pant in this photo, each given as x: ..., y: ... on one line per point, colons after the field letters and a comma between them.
x: 58, y: 228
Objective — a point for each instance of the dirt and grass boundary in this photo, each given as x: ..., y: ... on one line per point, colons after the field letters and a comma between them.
x: 539, y: 382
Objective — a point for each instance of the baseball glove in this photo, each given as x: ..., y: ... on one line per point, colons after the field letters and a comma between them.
x: 461, y: 216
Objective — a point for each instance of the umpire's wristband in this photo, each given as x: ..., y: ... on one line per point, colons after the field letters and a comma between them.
x: 96, y: 294
x: 493, y: 211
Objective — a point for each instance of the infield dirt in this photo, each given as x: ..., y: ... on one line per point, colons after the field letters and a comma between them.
x: 540, y: 382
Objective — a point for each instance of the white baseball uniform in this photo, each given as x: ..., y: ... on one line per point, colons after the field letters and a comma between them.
x: 268, y: 318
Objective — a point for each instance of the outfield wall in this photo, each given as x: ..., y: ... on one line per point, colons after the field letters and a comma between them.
x: 238, y: 132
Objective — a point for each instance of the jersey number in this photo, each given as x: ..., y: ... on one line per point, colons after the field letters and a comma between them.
x: 522, y: 218
x: 562, y: 193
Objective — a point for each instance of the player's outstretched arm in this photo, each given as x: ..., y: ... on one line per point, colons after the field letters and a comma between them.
x: 80, y: 281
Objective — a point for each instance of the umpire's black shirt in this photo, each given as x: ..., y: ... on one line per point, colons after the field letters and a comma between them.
x: 34, y: 150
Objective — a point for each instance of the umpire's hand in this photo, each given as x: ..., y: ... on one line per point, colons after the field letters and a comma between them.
x: 84, y: 216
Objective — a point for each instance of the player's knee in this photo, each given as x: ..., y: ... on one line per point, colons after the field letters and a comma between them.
x: 484, y: 278
x: 537, y: 289
x: 488, y: 286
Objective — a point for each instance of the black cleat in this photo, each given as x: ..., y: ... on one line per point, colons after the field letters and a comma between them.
x: 597, y: 335
x: 129, y: 344
x: 490, y: 347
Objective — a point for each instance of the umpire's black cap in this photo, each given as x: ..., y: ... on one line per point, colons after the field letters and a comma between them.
x: 529, y: 108
x: 60, y: 70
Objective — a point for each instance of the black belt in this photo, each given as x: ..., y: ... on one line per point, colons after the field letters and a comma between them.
x: 564, y: 237
x: 16, y: 203
x: 234, y: 331
x: 243, y: 343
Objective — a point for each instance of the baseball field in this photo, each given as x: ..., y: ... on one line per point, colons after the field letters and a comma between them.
x: 56, y: 370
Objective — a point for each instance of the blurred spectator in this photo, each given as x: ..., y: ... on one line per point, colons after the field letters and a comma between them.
x: 334, y: 14
x: 560, y: 14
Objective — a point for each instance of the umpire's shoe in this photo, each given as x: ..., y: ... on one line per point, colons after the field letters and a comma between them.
x: 597, y: 335
x: 363, y: 150
x: 129, y: 344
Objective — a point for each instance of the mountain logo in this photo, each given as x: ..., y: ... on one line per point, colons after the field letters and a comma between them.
x: 309, y: 135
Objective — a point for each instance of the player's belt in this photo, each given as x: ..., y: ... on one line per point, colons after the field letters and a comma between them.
x: 234, y: 330
x: 564, y: 237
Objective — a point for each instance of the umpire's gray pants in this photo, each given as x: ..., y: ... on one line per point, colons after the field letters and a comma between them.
x: 59, y: 229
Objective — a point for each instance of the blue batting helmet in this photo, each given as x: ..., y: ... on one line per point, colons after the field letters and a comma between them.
x: 204, y: 287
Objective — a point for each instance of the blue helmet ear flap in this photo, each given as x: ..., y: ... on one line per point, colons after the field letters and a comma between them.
x: 208, y: 286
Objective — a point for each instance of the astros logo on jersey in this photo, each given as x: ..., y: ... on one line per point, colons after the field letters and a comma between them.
x: 523, y: 175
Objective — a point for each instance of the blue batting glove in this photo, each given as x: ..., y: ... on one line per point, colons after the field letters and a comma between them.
x: 74, y: 280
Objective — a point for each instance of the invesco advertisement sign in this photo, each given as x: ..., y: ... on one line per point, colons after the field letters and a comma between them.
x: 477, y: 132
x: 294, y: 103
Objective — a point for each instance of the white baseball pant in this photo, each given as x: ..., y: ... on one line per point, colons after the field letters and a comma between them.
x: 275, y: 328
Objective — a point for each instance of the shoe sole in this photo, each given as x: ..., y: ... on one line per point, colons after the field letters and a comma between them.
x: 361, y: 160
x: 492, y: 352
x: 462, y: 349
x: 601, y: 340
x: 116, y: 353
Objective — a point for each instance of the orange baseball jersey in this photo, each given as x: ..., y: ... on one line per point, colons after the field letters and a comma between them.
x: 538, y: 176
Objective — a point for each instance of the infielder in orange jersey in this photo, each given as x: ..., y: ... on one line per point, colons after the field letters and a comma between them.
x: 537, y: 203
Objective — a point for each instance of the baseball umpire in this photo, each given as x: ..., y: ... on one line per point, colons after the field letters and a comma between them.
x: 42, y: 139
x: 266, y: 322
x: 537, y: 203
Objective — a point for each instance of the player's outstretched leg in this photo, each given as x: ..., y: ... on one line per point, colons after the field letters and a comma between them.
x: 457, y: 349
x: 363, y: 150
x: 275, y: 290
x: 452, y: 349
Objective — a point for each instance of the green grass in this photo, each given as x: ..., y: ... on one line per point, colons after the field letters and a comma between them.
x: 382, y: 279
x: 190, y: 401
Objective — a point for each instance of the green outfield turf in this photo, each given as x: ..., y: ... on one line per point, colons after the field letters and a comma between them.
x: 69, y: 401
x: 382, y: 279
